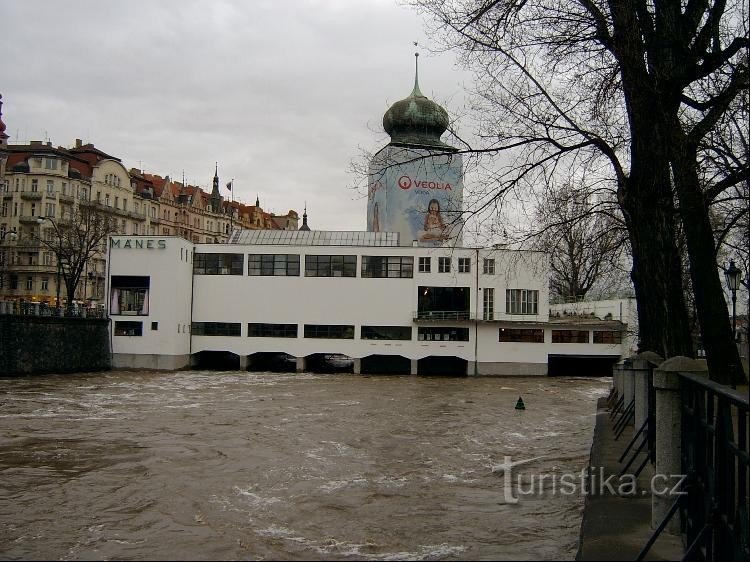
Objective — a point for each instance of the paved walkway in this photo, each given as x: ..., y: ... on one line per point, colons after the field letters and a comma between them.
x: 616, y: 527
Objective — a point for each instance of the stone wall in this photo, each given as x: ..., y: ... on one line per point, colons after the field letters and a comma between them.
x: 51, y: 344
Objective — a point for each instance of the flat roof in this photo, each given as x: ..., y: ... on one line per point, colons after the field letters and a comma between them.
x: 314, y: 238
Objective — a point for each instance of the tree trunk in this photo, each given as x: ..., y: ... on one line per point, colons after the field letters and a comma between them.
x: 723, y: 357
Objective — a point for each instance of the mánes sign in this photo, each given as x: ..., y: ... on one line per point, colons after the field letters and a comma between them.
x: 138, y: 243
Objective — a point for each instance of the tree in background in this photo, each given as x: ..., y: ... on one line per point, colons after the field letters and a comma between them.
x: 75, y: 241
x: 632, y: 91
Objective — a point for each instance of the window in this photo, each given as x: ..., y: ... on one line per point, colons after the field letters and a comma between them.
x: 50, y: 187
x: 521, y: 301
x: 45, y: 284
x: 610, y: 337
x: 49, y: 210
x: 464, y: 265
x: 329, y: 331
x: 128, y: 328
x: 443, y: 334
x: 443, y: 303
x: 218, y: 264
x: 284, y: 265
x: 388, y: 266
x: 386, y: 332
x: 570, y: 336
x: 424, y: 265
x: 46, y: 258
x: 117, y: 202
x: 29, y: 283
x: 50, y: 164
x: 488, y: 304
x: 444, y: 265
x: 34, y: 186
x: 106, y: 200
x: 130, y: 295
x: 272, y: 330
x: 64, y: 189
x: 521, y: 335
x: 231, y: 329
x: 330, y: 266
x: 488, y: 266
x: 154, y: 325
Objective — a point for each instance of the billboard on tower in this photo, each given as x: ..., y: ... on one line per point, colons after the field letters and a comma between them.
x: 417, y: 193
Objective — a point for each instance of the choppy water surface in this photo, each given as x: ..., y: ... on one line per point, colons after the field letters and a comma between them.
x: 207, y: 465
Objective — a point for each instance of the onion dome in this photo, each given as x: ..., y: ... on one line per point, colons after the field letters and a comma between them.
x: 304, y: 226
x: 416, y: 120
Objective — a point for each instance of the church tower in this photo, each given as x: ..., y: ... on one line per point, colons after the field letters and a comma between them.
x: 216, y: 198
x: 415, y: 183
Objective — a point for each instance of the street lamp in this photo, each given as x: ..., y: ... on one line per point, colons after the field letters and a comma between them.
x: 733, y: 275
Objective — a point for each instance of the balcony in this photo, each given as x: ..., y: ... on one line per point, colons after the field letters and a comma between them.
x: 28, y: 220
x: 442, y: 315
x: 31, y: 195
x: 66, y: 198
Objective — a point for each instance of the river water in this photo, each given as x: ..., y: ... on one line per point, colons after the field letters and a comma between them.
x: 259, y: 466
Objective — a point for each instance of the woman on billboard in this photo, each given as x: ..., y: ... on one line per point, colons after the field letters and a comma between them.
x: 434, y: 227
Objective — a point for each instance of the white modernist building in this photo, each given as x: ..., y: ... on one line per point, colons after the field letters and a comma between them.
x: 309, y: 296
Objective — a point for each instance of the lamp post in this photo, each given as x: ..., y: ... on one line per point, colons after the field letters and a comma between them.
x: 733, y: 275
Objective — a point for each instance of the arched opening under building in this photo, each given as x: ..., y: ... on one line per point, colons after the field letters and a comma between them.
x: 216, y: 361
x: 274, y: 362
x: 449, y: 366
x: 385, y: 365
x: 581, y: 365
x: 329, y: 363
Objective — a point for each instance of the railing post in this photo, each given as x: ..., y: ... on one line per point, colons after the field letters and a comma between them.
x: 642, y: 365
x: 669, y: 434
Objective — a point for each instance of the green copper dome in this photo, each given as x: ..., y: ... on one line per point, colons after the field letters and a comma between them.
x: 416, y: 120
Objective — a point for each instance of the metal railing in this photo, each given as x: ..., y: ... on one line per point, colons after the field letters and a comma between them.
x: 442, y: 315
x: 28, y: 308
x: 715, y: 460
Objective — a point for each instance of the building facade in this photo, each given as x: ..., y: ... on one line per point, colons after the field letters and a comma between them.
x: 43, y: 187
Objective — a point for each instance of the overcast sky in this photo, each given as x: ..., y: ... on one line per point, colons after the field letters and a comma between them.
x: 283, y: 94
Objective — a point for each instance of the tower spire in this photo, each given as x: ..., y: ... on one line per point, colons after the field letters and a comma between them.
x: 215, y: 191
x: 304, y: 219
x: 416, y: 92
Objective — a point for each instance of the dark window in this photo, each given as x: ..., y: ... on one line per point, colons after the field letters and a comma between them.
x: 570, y: 336
x: 607, y: 337
x: 443, y: 303
x: 329, y: 331
x: 286, y: 265
x: 330, y: 266
x: 154, y: 325
x: 130, y: 295
x: 443, y: 334
x: 444, y: 265
x: 424, y: 265
x: 218, y: 264
x: 488, y: 266
x: 386, y: 332
x: 127, y: 328
x: 464, y: 265
x: 272, y: 330
x: 521, y: 335
x: 388, y: 266
x: 216, y: 329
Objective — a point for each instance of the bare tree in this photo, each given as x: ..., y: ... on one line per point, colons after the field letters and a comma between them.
x: 615, y: 87
x: 75, y: 241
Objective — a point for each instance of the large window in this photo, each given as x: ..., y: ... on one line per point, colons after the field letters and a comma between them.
x: 272, y: 330
x: 128, y: 328
x: 610, y: 337
x: 444, y: 265
x: 330, y: 266
x: 329, y: 331
x: 217, y: 264
x: 488, y: 266
x: 521, y: 301
x: 464, y: 265
x: 518, y: 335
x: 388, y: 266
x: 386, y: 332
x: 216, y: 329
x: 443, y: 334
x: 273, y: 264
x: 570, y: 336
x: 424, y: 265
x: 129, y: 295
x: 443, y: 303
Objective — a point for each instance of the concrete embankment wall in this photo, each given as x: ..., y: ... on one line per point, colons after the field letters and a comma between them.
x: 50, y: 344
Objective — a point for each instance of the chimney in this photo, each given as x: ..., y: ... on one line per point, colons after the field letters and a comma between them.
x: 79, y: 143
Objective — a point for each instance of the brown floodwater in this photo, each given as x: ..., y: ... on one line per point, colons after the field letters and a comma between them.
x: 262, y: 466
